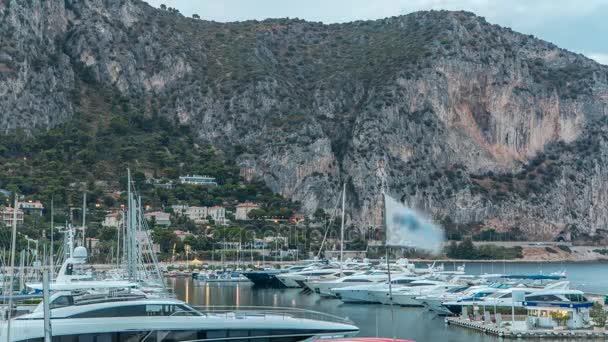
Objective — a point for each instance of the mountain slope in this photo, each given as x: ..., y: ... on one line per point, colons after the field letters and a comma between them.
x: 457, y: 117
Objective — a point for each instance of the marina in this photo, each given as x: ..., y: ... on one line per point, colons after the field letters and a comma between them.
x: 307, y: 299
x: 413, y: 323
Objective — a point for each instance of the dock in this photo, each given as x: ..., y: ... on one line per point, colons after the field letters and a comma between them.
x: 492, y: 329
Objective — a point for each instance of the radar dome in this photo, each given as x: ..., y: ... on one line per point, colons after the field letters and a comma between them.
x: 80, y: 252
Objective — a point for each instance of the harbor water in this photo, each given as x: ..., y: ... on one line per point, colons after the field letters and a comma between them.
x: 379, y: 320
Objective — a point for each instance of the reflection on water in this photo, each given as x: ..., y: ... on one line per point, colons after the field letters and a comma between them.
x: 375, y: 320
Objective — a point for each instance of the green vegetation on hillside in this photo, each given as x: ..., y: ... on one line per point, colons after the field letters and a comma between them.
x: 92, y: 152
x: 467, y: 250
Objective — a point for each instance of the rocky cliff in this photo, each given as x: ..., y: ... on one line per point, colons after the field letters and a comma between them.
x: 479, y: 126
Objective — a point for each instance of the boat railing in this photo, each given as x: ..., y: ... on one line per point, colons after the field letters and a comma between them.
x: 271, y: 311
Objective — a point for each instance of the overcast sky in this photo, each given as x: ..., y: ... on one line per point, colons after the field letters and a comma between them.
x: 577, y: 25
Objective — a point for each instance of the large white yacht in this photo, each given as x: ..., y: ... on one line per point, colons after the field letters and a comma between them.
x: 505, y: 297
x: 379, y: 293
x: 407, y: 296
x: 297, y: 279
x: 365, y: 293
x: 474, y: 293
x: 324, y: 287
x: 133, y: 317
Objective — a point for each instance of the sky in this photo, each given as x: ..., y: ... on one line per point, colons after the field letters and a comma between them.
x: 577, y: 25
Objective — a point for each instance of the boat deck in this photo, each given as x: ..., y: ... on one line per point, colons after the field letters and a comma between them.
x: 266, y: 311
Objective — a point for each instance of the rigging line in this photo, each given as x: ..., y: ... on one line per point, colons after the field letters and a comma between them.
x: 331, y: 222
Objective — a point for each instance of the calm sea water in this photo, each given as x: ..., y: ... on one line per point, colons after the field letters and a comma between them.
x: 377, y: 320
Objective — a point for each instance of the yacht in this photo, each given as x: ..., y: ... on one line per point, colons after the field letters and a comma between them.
x: 295, y: 279
x: 473, y: 293
x: 503, y: 297
x: 134, y: 317
x: 365, y: 293
x: 324, y: 287
x: 380, y: 292
x: 268, y: 276
x: 407, y: 296
x: 222, y: 277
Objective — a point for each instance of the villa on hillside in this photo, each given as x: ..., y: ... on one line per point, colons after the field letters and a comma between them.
x: 160, y: 218
x: 179, y: 209
x: 197, y: 214
x: 182, y: 234
x: 296, y: 218
x: 218, y: 214
x: 242, y: 209
x: 112, y: 220
x: 6, y: 213
x: 30, y: 207
x: 198, y: 180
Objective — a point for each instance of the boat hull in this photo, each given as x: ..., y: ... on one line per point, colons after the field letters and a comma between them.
x: 264, y: 279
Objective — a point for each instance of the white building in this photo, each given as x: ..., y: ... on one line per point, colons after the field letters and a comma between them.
x: 198, y: 180
x: 218, y: 214
x: 543, y: 315
x: 160, y: 218
x: 6, y: 214
x: 197, y: 214
x: 32, y: 207
x: 112, y: 220
x: 179, y: 209
x: 242, y: 209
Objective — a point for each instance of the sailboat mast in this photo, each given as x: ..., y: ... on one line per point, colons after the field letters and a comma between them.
x: 128, y: 233
x: 51, y: 261
x: 12, y: 271
x: 118, y: 242
x: 84, y: 219
x: 342, y: 227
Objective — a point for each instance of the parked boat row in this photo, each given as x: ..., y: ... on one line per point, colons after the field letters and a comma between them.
x: 456, y: 293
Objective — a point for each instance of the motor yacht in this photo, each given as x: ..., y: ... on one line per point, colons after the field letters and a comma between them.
x: 268, y: 276
x: 101, y: 318
x: 324, y: 287
x: 365, y: 293
x: 503, y: 297
x: 295, y: 279
x: 222, y: 277
x: 407, y: 296
x: 380, y: 292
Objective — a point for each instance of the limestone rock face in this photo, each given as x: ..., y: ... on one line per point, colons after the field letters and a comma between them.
x: 474, y: 124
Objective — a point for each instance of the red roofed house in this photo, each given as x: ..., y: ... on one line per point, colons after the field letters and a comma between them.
x: 296, y: 218
x: 242, y: 209
x: 181, y: 234
x: 112, y: 220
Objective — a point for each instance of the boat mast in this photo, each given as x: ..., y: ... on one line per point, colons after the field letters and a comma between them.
x: 131, y: 229
x: 118, y: 241
x: 84, y: 219
x: 51, y: 261
x: 48, y: 333
x: 342, y: 228
x: 12, y: 271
